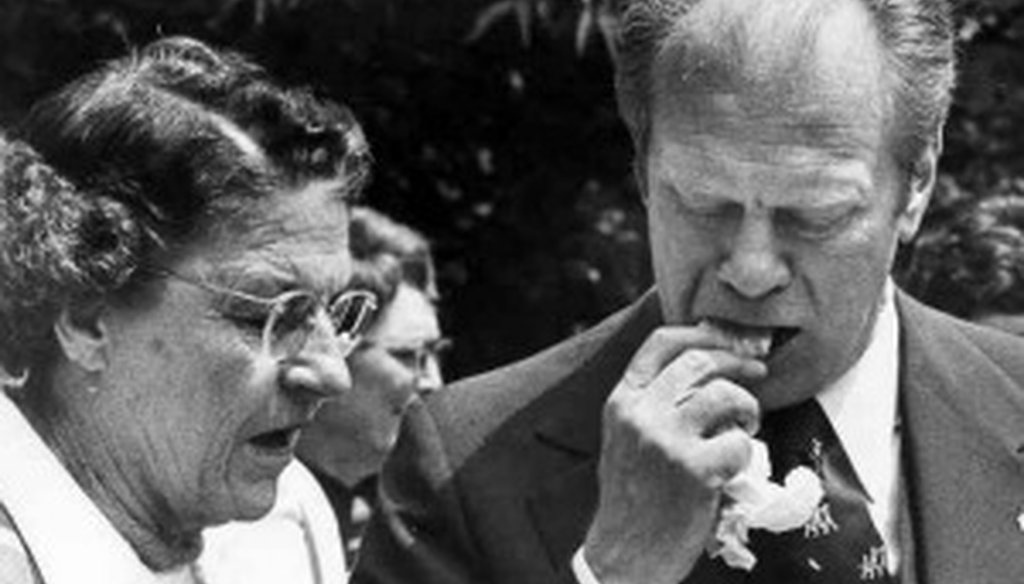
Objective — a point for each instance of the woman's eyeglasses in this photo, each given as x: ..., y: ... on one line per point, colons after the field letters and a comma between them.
x: 415, y: 357
x: 291, y: 317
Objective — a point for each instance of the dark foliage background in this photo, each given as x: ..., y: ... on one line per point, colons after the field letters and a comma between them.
x: 494, y: 128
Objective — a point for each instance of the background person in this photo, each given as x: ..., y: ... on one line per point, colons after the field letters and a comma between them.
x: 397, y: 359
x: 972, y: 265
x: 397, y: 260
x: 784, y: 148
x: 172, y: 290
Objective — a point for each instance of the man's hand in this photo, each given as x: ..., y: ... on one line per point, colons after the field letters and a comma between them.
x: 676, y: 428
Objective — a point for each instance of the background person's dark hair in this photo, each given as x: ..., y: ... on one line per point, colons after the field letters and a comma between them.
x: 387, y: 253
x: 972, y: 265
x: 916, y: 36
x: 138, y: 158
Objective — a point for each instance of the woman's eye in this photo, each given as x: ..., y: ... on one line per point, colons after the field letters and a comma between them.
x: 406, y: 357
x: 244, y: 314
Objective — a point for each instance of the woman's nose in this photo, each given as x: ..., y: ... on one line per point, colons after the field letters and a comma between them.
x: 428, y: 377
x: 319, y: 367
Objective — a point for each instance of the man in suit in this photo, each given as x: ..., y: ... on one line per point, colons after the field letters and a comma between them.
x: 784, y: 148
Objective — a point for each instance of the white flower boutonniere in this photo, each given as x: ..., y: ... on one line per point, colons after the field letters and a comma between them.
x: 755, y: 502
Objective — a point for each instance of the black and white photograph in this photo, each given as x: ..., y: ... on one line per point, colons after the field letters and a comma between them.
x: 511, y: 291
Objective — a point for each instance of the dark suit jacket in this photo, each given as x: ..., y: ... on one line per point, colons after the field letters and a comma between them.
x: 494, y: 479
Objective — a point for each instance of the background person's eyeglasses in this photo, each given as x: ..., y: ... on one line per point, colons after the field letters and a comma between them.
x: 291, y: 316
x: 415, y: 357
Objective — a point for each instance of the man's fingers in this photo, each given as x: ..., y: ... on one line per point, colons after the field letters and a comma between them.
x: 662, y: 347
x: 723, y: 456
x: 721, y: 405
x: 687, y: 374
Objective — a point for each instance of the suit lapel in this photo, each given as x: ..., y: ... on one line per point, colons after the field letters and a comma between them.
x: 562, y: 505
x: 962, y: 441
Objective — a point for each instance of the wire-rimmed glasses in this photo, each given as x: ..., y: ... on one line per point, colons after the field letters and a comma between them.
x: 416, y: 357
x: 291, y: 316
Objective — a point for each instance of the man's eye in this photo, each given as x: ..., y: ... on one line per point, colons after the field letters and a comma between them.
x: 708, y: 210
x: 816, y: 224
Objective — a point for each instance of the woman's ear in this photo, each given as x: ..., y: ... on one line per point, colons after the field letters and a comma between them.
x: 82, y: 335
x: 922, y: 183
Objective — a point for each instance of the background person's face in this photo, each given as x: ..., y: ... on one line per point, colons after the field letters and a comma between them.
x: 353, y: 435
x: 775, y: 206
x: 408, y: 329
x: 202, y: 422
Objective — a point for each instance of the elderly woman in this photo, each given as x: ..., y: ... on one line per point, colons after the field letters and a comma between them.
x: 175, y: 298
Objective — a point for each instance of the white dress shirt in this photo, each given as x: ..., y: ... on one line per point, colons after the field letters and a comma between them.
x: 861, y: 405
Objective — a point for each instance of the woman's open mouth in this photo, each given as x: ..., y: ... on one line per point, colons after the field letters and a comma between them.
x: 277, y: 442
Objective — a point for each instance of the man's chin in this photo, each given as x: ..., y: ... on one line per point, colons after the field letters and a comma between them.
x: 776, y: 392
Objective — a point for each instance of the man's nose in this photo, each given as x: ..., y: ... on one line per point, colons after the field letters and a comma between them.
x: 753, y: 266
x: 319, y: 367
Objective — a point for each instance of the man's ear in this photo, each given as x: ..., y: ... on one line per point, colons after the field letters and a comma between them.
x: 82, y: 334
x: 922, y: 182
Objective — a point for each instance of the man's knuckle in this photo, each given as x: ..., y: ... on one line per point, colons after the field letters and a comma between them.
x: 661, y: 336
x: 696, y: 364
x: 731, y: 395
x: 633, y: 380
x: 618, y: 408
x: 631, y: 412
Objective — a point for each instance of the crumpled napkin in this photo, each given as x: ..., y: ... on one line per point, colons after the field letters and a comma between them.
x: 755, y: 502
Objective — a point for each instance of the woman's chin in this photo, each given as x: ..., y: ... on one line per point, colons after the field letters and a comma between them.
x: 251, y: 502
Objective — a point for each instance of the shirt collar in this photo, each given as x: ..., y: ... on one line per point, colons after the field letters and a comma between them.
x: 70, y: 539
x: 861, y: 405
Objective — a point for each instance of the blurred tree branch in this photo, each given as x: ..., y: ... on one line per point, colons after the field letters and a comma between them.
x: 592, y: 18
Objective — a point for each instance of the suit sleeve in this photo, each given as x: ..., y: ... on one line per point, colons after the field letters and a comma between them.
x: 419, y: 534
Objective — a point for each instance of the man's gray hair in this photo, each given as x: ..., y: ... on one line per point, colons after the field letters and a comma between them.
x: 916, y: 38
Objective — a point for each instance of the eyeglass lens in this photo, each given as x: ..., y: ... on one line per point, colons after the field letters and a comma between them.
x: 351, y: 312
x: 291, y: 321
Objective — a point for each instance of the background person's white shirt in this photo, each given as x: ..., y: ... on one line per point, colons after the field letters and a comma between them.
x: 861, y: 405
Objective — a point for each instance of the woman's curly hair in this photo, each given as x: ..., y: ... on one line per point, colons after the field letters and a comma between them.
x: 55, y: 245
x: 139, y: 158
x: 972, y: 264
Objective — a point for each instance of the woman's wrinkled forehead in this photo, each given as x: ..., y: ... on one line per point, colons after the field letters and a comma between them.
x: 261, y: 201
x: 299, y: 234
